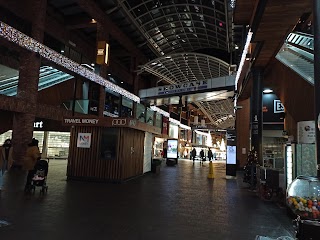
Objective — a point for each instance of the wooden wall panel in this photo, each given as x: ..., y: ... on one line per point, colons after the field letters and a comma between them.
x: 243, y: 131
x: 296, y: 94
x: 87, y: 164
x: 58, y: 93
x: 131, y: 153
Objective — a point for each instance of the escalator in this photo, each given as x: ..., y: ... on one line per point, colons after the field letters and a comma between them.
x: 48, y: 77
x: 297, y: 54
x: 292, y: 77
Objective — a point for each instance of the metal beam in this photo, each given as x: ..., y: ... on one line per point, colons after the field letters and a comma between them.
x: 99, y: 15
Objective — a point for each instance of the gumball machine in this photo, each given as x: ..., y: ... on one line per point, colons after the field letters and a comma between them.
x: 303, y: 200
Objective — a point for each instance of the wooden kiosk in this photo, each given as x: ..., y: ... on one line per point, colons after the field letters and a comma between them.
x: 106, y: 149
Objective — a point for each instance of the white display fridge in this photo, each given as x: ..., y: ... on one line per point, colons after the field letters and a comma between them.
x: 300, y: 160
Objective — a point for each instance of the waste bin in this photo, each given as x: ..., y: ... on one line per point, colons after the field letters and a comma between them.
x: 156, y: 165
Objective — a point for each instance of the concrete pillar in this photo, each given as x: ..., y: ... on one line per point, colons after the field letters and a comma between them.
x: 28, y: 85
x: 102, y: 35
x: 256, y: 113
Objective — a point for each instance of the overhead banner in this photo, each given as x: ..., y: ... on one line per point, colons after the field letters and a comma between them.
x: 165, y: 125
x: 226, y: 82
x: 183, y: 87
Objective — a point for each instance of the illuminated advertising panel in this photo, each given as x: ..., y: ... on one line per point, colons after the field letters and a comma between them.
x: 231, y: 155
x: 172, y: 151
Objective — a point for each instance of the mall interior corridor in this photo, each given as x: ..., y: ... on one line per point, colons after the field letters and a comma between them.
x: 179, y: 203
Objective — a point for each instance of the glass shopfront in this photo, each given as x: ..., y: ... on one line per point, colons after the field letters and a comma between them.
x: 173, y: 131
x: 57, y: 143
x: 126, y: 107
x: 150, y: 116
x: 141, y: 112
x: 111, y: 108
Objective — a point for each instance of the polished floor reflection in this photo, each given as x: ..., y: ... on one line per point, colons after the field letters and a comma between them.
x: 179, y: 203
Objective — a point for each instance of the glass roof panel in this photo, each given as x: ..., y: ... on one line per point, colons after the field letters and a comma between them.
x: 172, y: 18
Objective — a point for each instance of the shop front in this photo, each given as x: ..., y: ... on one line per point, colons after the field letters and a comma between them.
x: 53, y: 138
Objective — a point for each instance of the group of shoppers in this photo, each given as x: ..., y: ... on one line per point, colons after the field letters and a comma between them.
x: 29, y: 161
x: 202, y: 155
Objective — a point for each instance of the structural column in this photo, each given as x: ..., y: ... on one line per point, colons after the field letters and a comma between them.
x: 135, y: 76
x: 256, y: 113
x: 316, y: 14
x: 28, y: 84
x: 102, y: 35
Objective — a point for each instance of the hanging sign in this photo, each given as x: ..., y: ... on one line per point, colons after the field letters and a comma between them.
x: 84, y: 140
x: 102, y: 53
x: 183, y: 87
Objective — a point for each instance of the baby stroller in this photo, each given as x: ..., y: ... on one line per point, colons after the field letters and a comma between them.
x: 40, y: 176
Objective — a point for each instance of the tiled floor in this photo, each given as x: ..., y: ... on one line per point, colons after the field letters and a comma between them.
x: 179, y: 203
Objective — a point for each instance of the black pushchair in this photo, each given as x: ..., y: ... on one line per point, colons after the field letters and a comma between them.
x: 40, y: 176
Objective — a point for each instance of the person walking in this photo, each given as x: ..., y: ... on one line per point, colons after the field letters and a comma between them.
x: 193, y: 154
x: 202, y: 157
x: 210, y: 155
x: 6, y: 160
x: 31, y: 158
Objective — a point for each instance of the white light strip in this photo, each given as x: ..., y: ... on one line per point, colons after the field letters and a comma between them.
x: 159, y: 110
x: 174, y: 121
x: 166, y: 114
x: 15, y: 36
x: 184, y: 126
x: 201, y: 133
x: 243, y: 57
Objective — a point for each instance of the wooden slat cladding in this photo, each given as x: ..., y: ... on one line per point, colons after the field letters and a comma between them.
x: 131, y: 154
x: 87, y: 163
x: 82, y: 161
x: 243, y: 131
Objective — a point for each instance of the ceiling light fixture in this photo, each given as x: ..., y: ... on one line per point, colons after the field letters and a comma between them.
x: 243, y: 57
x: 268, y: 90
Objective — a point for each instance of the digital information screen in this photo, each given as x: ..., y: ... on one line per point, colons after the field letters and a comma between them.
x: 172, y: 151
x: 231, y: 155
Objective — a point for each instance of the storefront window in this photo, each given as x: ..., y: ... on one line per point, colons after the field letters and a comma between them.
x: 183, y: 134
x: 140, y: 112
x: 58, y: 142
x: 126, y: 107
x: 199, y: 139
x: 150, y: 116
x: 158, y: 120
x: 109, y: 141
x: 173, y: 131
x: 111, y: 105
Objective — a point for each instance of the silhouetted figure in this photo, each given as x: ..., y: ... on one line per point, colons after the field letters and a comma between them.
x: 5, y: 160
x: 193, y: 154
x: 210, y: 155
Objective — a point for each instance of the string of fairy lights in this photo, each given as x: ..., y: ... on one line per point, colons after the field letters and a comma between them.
x: 23, y: 40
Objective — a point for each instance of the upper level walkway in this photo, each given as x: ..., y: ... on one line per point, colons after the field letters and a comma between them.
x: 179, y: 203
